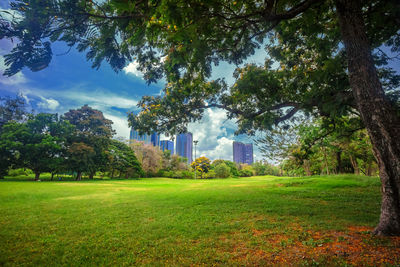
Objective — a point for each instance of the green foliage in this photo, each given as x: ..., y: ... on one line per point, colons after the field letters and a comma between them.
x: 179, y: 174
x: 11, y: 109
x: 264, y: 168
x: 210, y: 174
x: 330, y: 146
x: 90, y: 140
x: 122, y: 159
x: 38, y: 144
x: 222, y: 170
x: 192, y: 36
x: 245, y: 173
x: 232, y: 166
x: 20, y: 172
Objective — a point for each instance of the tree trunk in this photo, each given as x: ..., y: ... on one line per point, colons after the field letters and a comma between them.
x: 306, y: 166
x: 339, y: 168
x: 52, y: 176
x: 378, y: 114
x: 37, y: 175
x: 112, y: 173
x: 355, y: 165
x: 326, y: 161
x: 79, y: 176
x: 91, y: 175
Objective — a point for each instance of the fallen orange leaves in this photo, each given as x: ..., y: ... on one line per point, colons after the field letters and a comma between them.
x: 356, y: 246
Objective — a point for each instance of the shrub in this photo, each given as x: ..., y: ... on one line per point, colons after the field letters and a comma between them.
x: 187, y: 174
x: 245, y: 173
x: 222, y: 171
x: 210, y: 174
x: 178, y: 174
x: 232, y: 166
x: 20, y: 172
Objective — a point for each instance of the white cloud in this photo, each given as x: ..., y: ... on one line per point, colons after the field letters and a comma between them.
x: 215, y: 134
x: 132, y: 69
x: 223, y: 150
x: 50, y: 103
x: 215, y: 141
x: 80, y: 95
x: 120, y: 125
x: 101, y: 99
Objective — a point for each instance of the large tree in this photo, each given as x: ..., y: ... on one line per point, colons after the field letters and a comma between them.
x: 11, y: 109
x: 90, y: 141
x: 38, y: 144
x: 325, y: 47
x: 122, y: 158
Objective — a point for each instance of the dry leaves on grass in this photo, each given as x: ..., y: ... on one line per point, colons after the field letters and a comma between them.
x: 356, y: 246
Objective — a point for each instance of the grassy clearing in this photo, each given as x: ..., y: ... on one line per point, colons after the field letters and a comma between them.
x: 158, y: 221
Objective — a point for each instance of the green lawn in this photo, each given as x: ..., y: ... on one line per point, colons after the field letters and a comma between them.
x: 159, y: 221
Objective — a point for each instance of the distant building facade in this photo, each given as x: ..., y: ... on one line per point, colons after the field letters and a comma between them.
x: 134, y: 135
x: 184, y: 146
x: 242, y: 153
x: 167, y: 145
x: 155, y: 139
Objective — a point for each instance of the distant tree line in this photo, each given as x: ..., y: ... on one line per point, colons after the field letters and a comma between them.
x: 322, y: 147
x: 78, y: 142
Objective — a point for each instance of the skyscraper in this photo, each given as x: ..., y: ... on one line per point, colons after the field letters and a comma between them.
x: 242, y: 153
x: 155, y: 139
x: 184, y: 146
x: 167, y: 145
x: 134, y: 135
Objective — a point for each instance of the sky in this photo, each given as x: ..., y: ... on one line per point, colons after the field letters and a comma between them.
x: 69, y: 83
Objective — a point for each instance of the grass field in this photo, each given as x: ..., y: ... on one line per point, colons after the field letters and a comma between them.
x: 157, y: 221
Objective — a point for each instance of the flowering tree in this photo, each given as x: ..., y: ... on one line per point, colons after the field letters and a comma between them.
x: 202, y: 165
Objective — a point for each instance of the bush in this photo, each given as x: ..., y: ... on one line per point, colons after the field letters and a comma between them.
x: 245, y: 173
x: 210, y: 174
x: 20, y: 172
x: 232, y: 166
x: 187, y: 174
x: 178, y: 174
x: 222, y: 171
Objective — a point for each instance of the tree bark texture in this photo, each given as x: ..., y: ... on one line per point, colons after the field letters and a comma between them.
x: 378, y: 114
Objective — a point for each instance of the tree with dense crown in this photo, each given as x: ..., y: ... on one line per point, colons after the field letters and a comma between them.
x: 202, y: 165
x: 222, y: 170
x: 39, y: 143
x: 11, y: 109
x: 122, y: 158
x: 326, y: 50
x: 232, y: 166
x: 92, y: 136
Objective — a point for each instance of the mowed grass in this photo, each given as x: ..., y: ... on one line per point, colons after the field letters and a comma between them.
x: 160, y: 221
